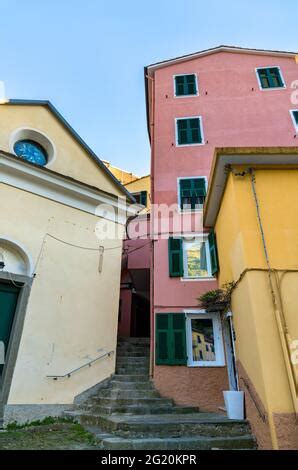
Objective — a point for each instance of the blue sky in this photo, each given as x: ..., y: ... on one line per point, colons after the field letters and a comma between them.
x: 87, y: 57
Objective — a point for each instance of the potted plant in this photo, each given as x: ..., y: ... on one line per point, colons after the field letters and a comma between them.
x: 217, y: 299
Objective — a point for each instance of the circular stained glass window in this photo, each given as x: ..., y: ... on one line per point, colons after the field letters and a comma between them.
x: 31, y: 151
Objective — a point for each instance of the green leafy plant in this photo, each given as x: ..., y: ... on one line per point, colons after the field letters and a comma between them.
x: 217, y: 299
x: 44, y: 422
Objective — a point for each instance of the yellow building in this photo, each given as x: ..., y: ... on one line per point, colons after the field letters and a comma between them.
x: 252, y: 204
x: 140, y: 189
x: 59, y: 275
x: 138, y: 186
x: 123, y: 176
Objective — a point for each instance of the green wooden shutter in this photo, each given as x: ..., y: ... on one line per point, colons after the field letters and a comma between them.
x: 295, y: 114
x: 143, y: 198
x: 191, y: 88
x: 182, y: 131
x: 162, y: 339
x: 270, y: 77
x: 194, y: 131
x: 275, y: 77
x: 199, y: 186
x: 8, y: 302
x: 192, y: 189
x: 170, y: 339
x: 178, y: 339
x: 179, y: 85
x: 175, y: 257
x: 189, y: 131
x: 213, y: 252
x: 185, y: 85
x: 185, y: 191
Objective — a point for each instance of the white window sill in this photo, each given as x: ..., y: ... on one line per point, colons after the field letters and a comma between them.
x: 189, y: 145
x: 273, y: 88
x: 207, y: 364
x: 209, y: 278
x: 190, y: 211
x: 186, y: 96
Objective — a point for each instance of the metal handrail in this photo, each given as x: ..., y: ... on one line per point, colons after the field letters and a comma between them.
x: 68, y: 374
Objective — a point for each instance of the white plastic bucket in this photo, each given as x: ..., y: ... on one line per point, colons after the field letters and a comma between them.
x: 234, y: 402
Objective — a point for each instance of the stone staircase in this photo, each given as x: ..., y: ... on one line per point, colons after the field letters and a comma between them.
x: 129, y: 413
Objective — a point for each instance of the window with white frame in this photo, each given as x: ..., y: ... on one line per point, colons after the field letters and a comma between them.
x: 270, y: 78
x: 186, y: 85
x: 196, y: 257
x: 189, y: 131
x: 192, y: 192
x: 294, y: 115
x: 204, y: 339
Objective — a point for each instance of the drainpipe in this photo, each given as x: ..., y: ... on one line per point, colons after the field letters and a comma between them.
x: 280, y: 319
x: 152, y: 318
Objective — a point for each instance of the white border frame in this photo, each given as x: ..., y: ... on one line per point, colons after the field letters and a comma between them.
x: 270, y: 67
x: 188, y: 211
x: 201, y: 129
x: 30, y: 133
x: 182, y: 75
x: 293, y: 119
x: 218, y: 339
x: 200, y: 236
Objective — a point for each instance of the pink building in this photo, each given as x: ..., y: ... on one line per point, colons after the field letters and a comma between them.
x: 134, y: 309
x: 221, y: 97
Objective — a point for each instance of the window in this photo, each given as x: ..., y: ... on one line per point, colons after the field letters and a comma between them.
x: 209, y: 350
x: 196, y: 258
x: 192, y: 193
x: 141, y: 197
x: 193, y: 258
x: 189, y: 131
x: 294, y: 115
x: 170, y: 339
x: 31, y: 151
x: 186, y: 85
x: 32, y: 145
x: 270, y: 77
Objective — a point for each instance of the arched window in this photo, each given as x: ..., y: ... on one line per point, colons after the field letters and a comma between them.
x: 14, y: 258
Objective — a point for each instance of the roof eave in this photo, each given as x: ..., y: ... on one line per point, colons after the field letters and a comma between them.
x: 252, y: 156
x: 221, y: 48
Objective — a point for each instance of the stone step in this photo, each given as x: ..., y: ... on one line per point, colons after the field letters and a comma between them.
x: 180, y: 443
x: 133, y: 340
x: 137, y: 370
x: 132, y: 385
x: 136, y: 408
x: 131, y: 377
x: 119, y: 393
x: 132, y: 350
x: 133, y: 360
x: 110, y: 401
x: 164, y: 425
x: 133, y: 354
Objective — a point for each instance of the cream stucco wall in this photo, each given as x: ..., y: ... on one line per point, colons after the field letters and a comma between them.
x: 72, y: 312
x: 70, y: 160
